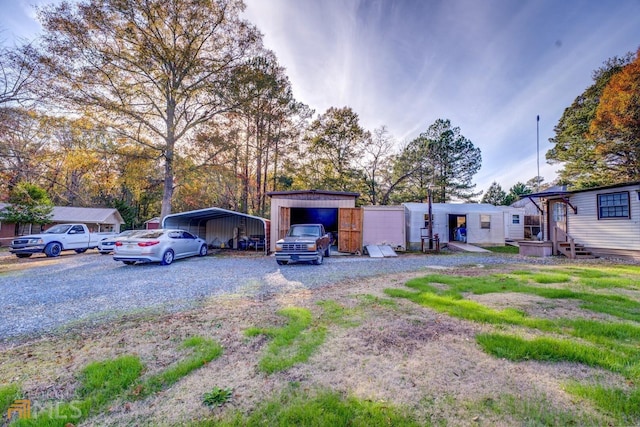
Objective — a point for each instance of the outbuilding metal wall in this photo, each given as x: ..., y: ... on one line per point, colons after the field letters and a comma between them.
x: 384, y: 225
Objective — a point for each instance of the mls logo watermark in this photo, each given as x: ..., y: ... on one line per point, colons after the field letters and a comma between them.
x: 23, y: 410
x: 20, y: 408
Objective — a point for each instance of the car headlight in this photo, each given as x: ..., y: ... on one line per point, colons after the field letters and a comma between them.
x: 311, y: 246
x: 36, y: 241
x: 278, y: 246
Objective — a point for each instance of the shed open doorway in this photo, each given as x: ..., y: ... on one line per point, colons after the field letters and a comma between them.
x: 325, y: 216
x: 456, y: 221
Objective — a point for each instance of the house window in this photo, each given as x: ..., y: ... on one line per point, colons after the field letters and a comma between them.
x: 515, y: 219
x: 485, y: 221
x: 613, y: 205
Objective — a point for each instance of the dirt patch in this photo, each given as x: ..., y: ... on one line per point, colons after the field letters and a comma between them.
x: 536, y: 306
x: 396, y: 352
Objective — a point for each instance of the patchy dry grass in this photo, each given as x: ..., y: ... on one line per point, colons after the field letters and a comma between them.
x: 428, y: 357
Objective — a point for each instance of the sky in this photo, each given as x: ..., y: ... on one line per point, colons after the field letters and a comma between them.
x: 489, y: 66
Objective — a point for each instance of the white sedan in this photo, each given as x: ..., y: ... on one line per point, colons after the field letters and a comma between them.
x: 161, y: 245
x: 107, y: 245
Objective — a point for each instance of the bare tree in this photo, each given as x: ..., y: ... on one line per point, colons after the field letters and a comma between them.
x: 155, y: 70
x: 17, y: 74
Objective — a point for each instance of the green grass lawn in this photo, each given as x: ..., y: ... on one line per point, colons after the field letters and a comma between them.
x: 612, y: 345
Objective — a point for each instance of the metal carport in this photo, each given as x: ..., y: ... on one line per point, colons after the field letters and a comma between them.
x: 222, y: 227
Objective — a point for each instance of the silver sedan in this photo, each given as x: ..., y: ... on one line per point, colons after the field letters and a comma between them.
x: 162, y: 245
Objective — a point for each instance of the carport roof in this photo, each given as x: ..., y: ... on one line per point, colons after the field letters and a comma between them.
x: 207, y: 214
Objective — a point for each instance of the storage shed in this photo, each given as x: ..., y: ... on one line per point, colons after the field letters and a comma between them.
x: 334, y: 209
x: 223, y: 228
x: 484, y: 222
x: 384, y: 225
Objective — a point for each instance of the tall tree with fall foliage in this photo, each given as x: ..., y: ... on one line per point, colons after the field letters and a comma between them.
x: 574, y: 145
x: 616, y: 126
x: 154, y: 70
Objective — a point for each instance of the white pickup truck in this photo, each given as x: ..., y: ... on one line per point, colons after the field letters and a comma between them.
x: 52, y: 242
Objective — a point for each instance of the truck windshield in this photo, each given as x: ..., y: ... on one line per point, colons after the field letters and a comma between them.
x: 304, y: 231
x: 58, y: 229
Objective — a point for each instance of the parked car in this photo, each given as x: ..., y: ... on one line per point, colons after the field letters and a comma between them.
x: 160, y: 245
x: 106, y: 245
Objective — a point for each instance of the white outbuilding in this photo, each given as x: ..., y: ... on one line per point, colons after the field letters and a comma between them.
x: 483, y: 223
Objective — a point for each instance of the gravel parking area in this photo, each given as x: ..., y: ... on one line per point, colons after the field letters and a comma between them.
x: 91, y: 287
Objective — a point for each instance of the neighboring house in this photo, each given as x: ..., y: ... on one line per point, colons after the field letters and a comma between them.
x: 604, y: 221
x: 96, y: 219
x: 484, y: 223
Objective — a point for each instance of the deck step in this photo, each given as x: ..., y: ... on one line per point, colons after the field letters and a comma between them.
x: 580, y: 251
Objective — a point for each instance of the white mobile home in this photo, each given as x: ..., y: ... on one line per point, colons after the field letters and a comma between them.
x: 604, y: 220
x: 484, y: 223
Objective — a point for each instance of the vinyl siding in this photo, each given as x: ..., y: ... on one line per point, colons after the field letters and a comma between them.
x: 610, y: 233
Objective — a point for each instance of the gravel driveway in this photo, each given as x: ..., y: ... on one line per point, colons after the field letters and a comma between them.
x: 94, y: 287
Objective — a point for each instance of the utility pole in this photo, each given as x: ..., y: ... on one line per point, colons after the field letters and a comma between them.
x: 430, y: 213
x: 538, y: 153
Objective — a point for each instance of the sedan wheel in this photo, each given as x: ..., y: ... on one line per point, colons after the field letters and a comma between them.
x: 167, y: 257
x: 203, y: 250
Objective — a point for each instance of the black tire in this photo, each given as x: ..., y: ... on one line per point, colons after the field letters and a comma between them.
x: 23, y: 255
x: 203, y: 250
x: 167, y: 257
x: 129, y: 262
x: 319, y: 260
x: 81, y: 251
x: 327, y: 252
x: 281, y: 262
x: 53, y: 249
